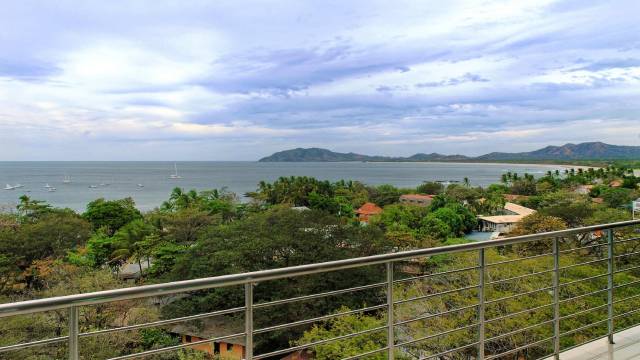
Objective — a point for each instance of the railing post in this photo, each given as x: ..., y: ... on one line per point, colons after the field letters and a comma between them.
x: 73, y: 333
x: 390, y: 330
x: 481, y: 316
x: 610, y: 270
x: 248, y: 321
x: 556, y: 298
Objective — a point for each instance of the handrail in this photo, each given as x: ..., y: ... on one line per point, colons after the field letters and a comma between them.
x: 99, y: 297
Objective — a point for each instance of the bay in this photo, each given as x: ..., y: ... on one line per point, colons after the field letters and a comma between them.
x: 116, y: 180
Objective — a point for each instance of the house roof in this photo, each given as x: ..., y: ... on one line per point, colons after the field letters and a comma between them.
x: 369, y: 209
x: 416, y: 197
x: 518, y: 209
x: 502, y: 219
x: 214, y: 327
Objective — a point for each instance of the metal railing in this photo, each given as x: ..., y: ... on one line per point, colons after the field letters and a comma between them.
x: 397, y: 339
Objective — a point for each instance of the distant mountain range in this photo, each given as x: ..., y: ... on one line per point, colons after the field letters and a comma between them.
x: 567, y: 152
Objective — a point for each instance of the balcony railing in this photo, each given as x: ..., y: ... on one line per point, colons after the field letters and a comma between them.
x: 601, y: 244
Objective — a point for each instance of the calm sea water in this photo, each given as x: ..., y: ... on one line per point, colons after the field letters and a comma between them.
x: 121, y: 179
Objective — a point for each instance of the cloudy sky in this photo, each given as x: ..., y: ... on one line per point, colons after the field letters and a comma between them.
x: 237, y: 80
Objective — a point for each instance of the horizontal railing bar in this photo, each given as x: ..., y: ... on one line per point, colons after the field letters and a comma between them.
x: 582, y: 264
x: 622, y: 241
x: 519, y: 330
x: 583, y: 311
x: 627, y: 284
x: 582, y: 296
x: 626, y: 269
x: 583, y: 280
x: 518, y: 295
x: 434, y: 356
x: 319, y: 295
x: 413, y: 278
x: 437, y: 335
x: 519, y: 348
x: 319, y: 342
x: 626, y: 299
x: 99, y: 297
x: 422, y: 297
x: 518, y: 313
x: 519, y: 277
x: 319, y: 318
x: 33, y: 343
x: 582, y: 248
x: 519, y: 259
x: 176, y: 347
x: 627, y: 313
x: 627, y: 254
x: 584, y: 327
x: 425, y: 317
x: 384, y: 349
x: 163, y: 322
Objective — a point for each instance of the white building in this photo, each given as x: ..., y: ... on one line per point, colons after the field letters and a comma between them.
x: 512, y: 214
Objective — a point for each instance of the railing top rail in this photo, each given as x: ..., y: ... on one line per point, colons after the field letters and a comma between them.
x: 61, y: 302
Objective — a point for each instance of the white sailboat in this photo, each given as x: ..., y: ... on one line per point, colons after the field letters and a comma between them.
x: 51, y: 189
x: 67, y: 179
x: 175, y: 175
x: 9, y: 187
x: 47, y: 186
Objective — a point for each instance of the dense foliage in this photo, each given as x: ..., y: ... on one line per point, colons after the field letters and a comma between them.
x: 45, y: 251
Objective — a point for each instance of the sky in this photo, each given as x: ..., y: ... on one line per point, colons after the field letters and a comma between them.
x: 239, y: 80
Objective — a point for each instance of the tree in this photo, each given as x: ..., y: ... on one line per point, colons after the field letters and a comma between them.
x: 534, y: 224
x: 345, y: 325
x: 111, y: 214
x: 617, y: 197
x: 430, y: 188
x: 276, y: 238
x: 383, y: 195
x: 30, y: 210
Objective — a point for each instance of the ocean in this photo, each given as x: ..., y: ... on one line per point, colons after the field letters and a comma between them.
x: 116, y: 180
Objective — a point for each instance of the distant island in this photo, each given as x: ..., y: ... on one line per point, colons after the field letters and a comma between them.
x: 568, y: 152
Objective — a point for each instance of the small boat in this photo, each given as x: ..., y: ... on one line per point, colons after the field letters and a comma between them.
x: 140, y: 185
x: 93, y: 186
x: 67, y: 179
x: 175, y: 174
x: 9, y: 187
x: 18, y: 186
x: 102, y: 184
x: 51, y: 189
x: 47, y: 186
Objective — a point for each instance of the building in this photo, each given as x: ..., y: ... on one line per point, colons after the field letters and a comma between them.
x: 367, y: 210
x: 212, y: 328
x: 505, y: 222
x: 416, y: 199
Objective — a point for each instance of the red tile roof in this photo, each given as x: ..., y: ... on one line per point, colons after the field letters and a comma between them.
x: 369, y: 209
